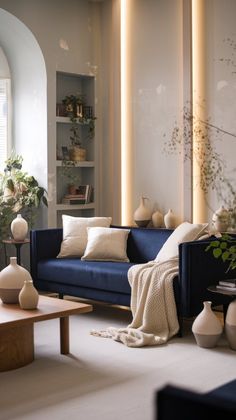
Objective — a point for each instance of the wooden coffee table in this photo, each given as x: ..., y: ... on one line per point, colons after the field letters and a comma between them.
x: 17, y: 328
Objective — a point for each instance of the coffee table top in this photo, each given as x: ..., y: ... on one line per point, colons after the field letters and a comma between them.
x: 48, y: 308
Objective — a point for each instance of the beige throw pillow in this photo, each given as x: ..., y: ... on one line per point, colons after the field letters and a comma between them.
x: 106, y: 244
x: 75, y: 234
x: 185, y: 232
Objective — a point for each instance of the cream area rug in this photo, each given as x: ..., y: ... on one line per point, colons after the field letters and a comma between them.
x: 152, y: 304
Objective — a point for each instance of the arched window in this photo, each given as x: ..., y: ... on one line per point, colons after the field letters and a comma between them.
x: 5, y: 107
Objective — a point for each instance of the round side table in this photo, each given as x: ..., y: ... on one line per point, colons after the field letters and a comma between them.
x: 18, y: 245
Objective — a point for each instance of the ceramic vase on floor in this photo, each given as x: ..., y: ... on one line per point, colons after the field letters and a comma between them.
x: 28, y: 296
x: 12, y: 280
x: 207, y: 328
x: 142, y: 214
x: 230, y: 325
x: 19, y: 228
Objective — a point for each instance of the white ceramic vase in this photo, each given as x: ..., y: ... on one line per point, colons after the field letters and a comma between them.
x: 207, y: 328
x: 28, y: 296
x: 142, y: 214
x: 12, y: 280
x: 221, y: 219
x: 170, y: 220
x: 19, y: 228
x: 230, y: 325
x: 157, y: 219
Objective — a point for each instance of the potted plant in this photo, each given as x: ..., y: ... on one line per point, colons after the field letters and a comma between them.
x: 75, y: 107
x: 18, y: 191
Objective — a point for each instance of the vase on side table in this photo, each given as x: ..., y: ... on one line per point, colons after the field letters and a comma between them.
x: 19, y: 228
x: 207, y: 328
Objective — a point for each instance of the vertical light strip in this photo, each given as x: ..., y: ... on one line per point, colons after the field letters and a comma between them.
x: 198, y: 96
x: 126, y: 158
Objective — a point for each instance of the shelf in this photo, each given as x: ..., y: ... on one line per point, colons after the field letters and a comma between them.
x: 66, y: 120
x: 83, y: 164
x: 75, y: 206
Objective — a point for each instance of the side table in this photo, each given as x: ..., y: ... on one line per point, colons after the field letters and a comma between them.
x: 18, y: 245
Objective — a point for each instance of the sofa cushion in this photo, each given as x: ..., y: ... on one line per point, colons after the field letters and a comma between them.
x: 106, y: 244
x: 185, y: 232
x: 104, y: 275
x: 75, y: 234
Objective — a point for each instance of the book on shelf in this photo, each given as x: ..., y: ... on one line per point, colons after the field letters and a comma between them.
x: 228, y: 283
x: 84, y: 195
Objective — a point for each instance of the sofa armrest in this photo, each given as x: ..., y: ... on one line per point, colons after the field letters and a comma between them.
x: 173, y: 403
x: 198, y: 269
x: 44, y: 243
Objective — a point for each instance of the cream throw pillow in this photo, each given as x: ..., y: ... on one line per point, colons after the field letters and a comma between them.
x: 185, y: 232
x: 106, y: 244
x: 75, y: 234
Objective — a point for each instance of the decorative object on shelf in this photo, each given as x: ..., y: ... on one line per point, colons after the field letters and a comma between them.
x: 230, y: 325
x: 19, y: 228
x: 77, y: 153
x: 157, y: 219
x: 170, y: 220
x: 221, y: 219
x: 206, y: 327
x: 28, y: 296
x: 142, y: 214
x: 12, y: 280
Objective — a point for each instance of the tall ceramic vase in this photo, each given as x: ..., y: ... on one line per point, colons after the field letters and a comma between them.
x: 142, y: 214
x: 230, y: 325
x: 12, y: 280
x: 19, y: 228
x: 207, y: 328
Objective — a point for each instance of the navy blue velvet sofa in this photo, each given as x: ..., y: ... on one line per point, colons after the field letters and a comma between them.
x: 107, y: 281
x: 174, y: 403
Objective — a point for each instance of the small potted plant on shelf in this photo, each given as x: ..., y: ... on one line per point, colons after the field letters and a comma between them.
x: 79, y: 114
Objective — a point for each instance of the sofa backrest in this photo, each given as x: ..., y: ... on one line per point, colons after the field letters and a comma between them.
x: 144, y: 243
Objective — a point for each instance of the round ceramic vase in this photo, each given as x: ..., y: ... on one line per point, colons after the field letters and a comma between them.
x: 207, y: 328
x: 169, y: 220
x: 157, y: 219
x: 230, y: 325
x: 12, y: 280
x: 28, y: 296
x: 19, y: 228
x: 142, y: 214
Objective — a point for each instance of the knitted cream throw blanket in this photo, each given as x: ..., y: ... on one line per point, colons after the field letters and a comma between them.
x: 152, y: 305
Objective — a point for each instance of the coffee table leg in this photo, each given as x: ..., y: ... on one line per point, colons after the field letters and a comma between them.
x: 64, y: 335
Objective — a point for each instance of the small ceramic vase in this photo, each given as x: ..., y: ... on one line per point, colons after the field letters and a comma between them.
x: 230, y: 325
x: 157, y: 219
x: 142, y: 214
x: 19, y: 228
x: 12, y: 280
x: 207, y: 328
x: 221, y: 219
x: 28, y: 296
x: 169, y: 220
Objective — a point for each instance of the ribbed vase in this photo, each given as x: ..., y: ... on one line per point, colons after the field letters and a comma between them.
x: 207, y: 328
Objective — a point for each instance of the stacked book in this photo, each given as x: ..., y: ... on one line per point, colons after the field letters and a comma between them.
x: 229, y: 285
x: 82, y: 196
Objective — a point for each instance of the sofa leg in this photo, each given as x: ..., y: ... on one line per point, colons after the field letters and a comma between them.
x: 60, y: 295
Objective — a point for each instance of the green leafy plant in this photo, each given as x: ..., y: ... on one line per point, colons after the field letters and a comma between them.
x: 19, y: 191
x: 224, y: 248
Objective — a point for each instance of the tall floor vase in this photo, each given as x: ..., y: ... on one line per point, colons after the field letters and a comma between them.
x: 207, y: 328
